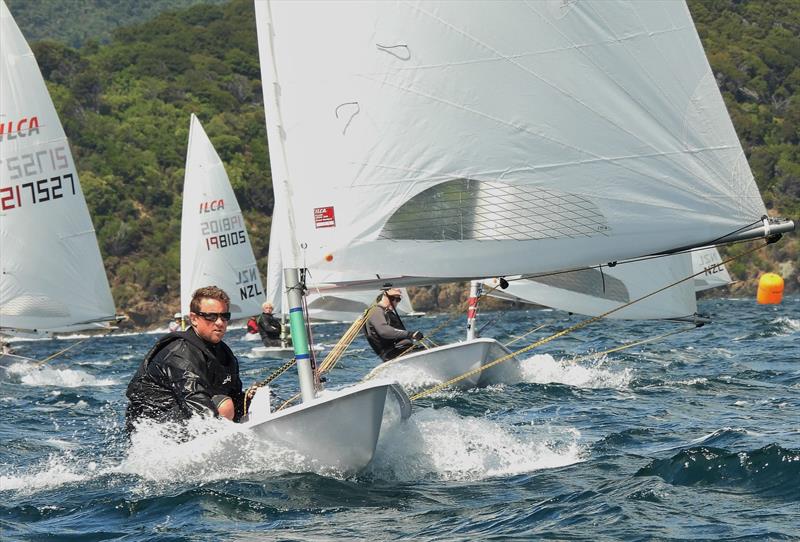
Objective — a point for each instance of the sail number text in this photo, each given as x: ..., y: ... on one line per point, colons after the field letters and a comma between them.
x: 47, y: 189
x: 223, y: 232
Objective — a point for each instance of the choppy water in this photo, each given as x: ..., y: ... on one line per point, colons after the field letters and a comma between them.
x: 695, y: 437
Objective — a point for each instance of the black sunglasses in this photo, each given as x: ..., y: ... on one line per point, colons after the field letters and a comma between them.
x: 395, y: 297
x: 212, y: 316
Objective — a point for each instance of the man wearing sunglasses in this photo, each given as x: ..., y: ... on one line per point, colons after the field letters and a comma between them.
x: 190, y: 372
x: 385, y: 331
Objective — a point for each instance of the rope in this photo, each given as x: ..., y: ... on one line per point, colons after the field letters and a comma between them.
x: 570, y: 329
x: 344, y: 342
x: 537, y: 328
x: 73, y: 345
x: 260, y: 384
x: 634, y: 343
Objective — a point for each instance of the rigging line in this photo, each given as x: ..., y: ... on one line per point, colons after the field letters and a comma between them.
x: 288, y: 402
x: 634, y: 343
x: 49, y: 358
x: 260, y: 384
x: 345, y: 341
x: 641, y: 258
x: 537, y: 328
x: 563, y: 332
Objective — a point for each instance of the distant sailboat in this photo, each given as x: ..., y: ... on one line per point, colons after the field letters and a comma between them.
x: 52, y: 277
x: 440, y: 141
x: 215, y: 246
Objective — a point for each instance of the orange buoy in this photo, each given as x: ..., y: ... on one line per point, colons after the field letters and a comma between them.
x: 770, y: 289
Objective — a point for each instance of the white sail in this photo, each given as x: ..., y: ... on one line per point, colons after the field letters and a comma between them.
x: 714, y: 272
x: 52, y: 275
x: 215, y: 247
x: 275, y: 294
x: 598, y: 290
x: 443, y: 140
x: 343, y: 306
x: 347, y: 306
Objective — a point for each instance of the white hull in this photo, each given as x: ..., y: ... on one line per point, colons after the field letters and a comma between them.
x: 443, y: 363
x: 339, y: 430
x: 275, y: 352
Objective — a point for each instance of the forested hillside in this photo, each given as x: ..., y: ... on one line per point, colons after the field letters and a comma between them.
x: 125, y: 106
x: 76, y: 22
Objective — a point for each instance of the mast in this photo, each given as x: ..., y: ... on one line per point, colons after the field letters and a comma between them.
x: 472, y: 310
x: 288, y: 242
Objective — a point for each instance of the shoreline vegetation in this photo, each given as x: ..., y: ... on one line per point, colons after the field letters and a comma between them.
x: 125, y: 94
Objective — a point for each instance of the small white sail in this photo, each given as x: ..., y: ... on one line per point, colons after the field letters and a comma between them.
x: 426, y: 141
x: 714, y: 272
x: 52, y: 275
x: 215, y: 247
x: 597, y: 290
x: 600, y: 289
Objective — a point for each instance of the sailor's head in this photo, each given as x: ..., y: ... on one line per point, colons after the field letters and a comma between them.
x: 209, y: 313
x: 393, y: 295
x: 267, y: 307
x: 178, y: 316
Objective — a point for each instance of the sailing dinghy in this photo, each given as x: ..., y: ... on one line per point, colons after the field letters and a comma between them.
x: 52, y: 277
x: 430, y: 142
x: 215, y: 246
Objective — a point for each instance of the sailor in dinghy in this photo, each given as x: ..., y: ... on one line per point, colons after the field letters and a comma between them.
x: 385, y: 331
x: 190, y: 372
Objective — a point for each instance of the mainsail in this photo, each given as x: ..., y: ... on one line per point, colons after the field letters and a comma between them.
x: 52, y: 276
x: 422, y: 142
x: 215, y: 247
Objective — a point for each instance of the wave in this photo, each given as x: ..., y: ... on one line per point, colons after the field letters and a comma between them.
x: 593, y: 374
x: 771, y: 470
x: 43, y: 375
x: 440, y: 444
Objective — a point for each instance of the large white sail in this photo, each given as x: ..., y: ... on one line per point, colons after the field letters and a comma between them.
x: 215, y: 247
x: 423, y: 141
x: 52, y: 275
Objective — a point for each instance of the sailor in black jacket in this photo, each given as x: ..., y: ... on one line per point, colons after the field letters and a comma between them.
x: 384, y: 330
x: 190, y: 372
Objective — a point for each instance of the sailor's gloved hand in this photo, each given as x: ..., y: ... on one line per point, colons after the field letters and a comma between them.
x: 417, y: 336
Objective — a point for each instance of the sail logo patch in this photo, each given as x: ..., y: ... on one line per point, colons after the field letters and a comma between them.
x: 324, y: 217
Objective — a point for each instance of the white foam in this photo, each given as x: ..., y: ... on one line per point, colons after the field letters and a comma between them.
x: 441, y: 444
x: 790, y: 325
x: 544, y: 369
x: 33, y: 375
x: 56, y: 471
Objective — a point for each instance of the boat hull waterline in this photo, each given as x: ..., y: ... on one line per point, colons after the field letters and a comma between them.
x: 443, y: 363
x: 338, y: 430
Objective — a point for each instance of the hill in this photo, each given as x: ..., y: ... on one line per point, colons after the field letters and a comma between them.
x: 125, y: 105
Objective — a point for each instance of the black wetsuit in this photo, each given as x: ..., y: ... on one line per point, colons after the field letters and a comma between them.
x: 386, y: 333
x: 183, y: 375
x: 270, y: 329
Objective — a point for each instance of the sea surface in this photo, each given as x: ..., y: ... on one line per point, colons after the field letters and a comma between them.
x: 694, y: 437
